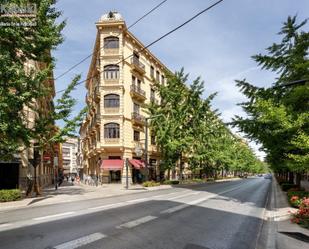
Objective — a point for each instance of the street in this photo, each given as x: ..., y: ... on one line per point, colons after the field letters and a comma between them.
x: 219, y: 215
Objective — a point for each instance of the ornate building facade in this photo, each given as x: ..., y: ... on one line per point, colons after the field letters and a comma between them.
x: 120, y: 80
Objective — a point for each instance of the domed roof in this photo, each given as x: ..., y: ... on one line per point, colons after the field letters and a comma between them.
x: 111, y: 16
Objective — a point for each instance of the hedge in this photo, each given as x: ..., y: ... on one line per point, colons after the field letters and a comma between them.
x: 150, y: 184
x: 9, y: 195
x: 173, y: 182
x: 287, y: 186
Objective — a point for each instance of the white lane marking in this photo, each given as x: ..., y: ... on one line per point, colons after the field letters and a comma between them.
x: 108, y: 206
x: 194, y: 202
x: 52, y: 216
x: 137, y: 222
x: 120, y: 204
x: 5, y: 225
x: 139, y: 200
x: 81, y: 241
x: 178, y: 196
x: 174, y: 209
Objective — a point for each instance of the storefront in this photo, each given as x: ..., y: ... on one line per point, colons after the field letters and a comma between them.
x: 111, y: 170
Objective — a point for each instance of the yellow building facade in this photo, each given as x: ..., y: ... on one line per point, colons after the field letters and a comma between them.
x: 120, y: 80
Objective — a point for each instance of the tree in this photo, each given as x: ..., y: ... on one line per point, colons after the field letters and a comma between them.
x: 278, y: 117
x: 185, y: 126
x: 23, y: 86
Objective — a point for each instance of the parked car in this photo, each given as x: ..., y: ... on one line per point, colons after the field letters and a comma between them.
x: 268, y: 176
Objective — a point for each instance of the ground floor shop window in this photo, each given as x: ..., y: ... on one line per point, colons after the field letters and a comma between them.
x: 115, y: 176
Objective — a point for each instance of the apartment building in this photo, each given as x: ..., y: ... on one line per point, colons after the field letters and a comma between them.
x: 120, y: 80
x: 69, y: 156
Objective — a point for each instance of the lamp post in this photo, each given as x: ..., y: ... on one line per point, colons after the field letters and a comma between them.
x: 146, y: 137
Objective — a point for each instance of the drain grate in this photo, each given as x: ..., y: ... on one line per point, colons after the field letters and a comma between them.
x: 298, y: 236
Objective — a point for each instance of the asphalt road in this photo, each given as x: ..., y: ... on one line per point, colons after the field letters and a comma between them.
x: 221, y: 215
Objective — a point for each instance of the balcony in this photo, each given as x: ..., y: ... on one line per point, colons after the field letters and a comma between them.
x: 138, y: 66
x: 88, y: 99
x: 96, y: 94
x: 97, y: 119
x: 137, y: 92
x: 137, y: 118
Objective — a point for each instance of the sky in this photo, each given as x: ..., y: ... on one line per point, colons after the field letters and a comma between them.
x: 217, y: 45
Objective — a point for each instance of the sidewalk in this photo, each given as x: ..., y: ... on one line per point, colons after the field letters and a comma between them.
x: 69, y: 193
x: 287, y: 235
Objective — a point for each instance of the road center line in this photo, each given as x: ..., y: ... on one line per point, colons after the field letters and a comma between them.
x: 137, y: 222
x: 52, y: 216
x: 81, y: 241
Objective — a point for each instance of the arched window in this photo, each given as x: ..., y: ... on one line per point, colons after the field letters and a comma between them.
x: 111, y: 72
x: 111, y: 100
x: 111, y: 130
x: 111, y: 42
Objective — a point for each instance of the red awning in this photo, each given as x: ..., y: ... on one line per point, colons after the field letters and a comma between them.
x: 136, y: 163
x: 112, y: 164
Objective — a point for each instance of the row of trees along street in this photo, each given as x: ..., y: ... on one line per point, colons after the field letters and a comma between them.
x: 278, y: 117
x: 187, y: 129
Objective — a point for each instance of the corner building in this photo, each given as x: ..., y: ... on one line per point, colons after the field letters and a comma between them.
x: 117, y: 87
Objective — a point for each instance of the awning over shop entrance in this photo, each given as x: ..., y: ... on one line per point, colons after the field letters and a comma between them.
x: 112, y: 164
x: 137, y: 164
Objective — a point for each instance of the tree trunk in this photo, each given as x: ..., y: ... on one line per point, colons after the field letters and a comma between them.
x: 291, y: 177
x: 298, y: 179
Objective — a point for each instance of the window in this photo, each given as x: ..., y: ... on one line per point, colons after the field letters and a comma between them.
x: 136, y: 108
x: 136, y: 135
x: 111, y: 101
x: 162, y: 79
x: 153, y: 140
x: 152, y: 71
x: 133, y: 80
x: 111, y: 72
x: 111, y: 42
x: 111, y: 130
x: 138, y: 84
x: 158, y: 76
x: 135, y: 56
x: 152, y: 94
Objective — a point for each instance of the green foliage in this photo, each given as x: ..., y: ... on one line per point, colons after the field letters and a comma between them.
x: 295, y: 197
x: 24, y: 88
x: 185, y: 126
x: 302, y: 215
x: 171, y: 182
x: 9, y: 195
x: 150, y: 184
x: 278, y: 117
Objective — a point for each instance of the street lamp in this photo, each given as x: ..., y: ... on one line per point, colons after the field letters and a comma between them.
x: 146, y: 137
